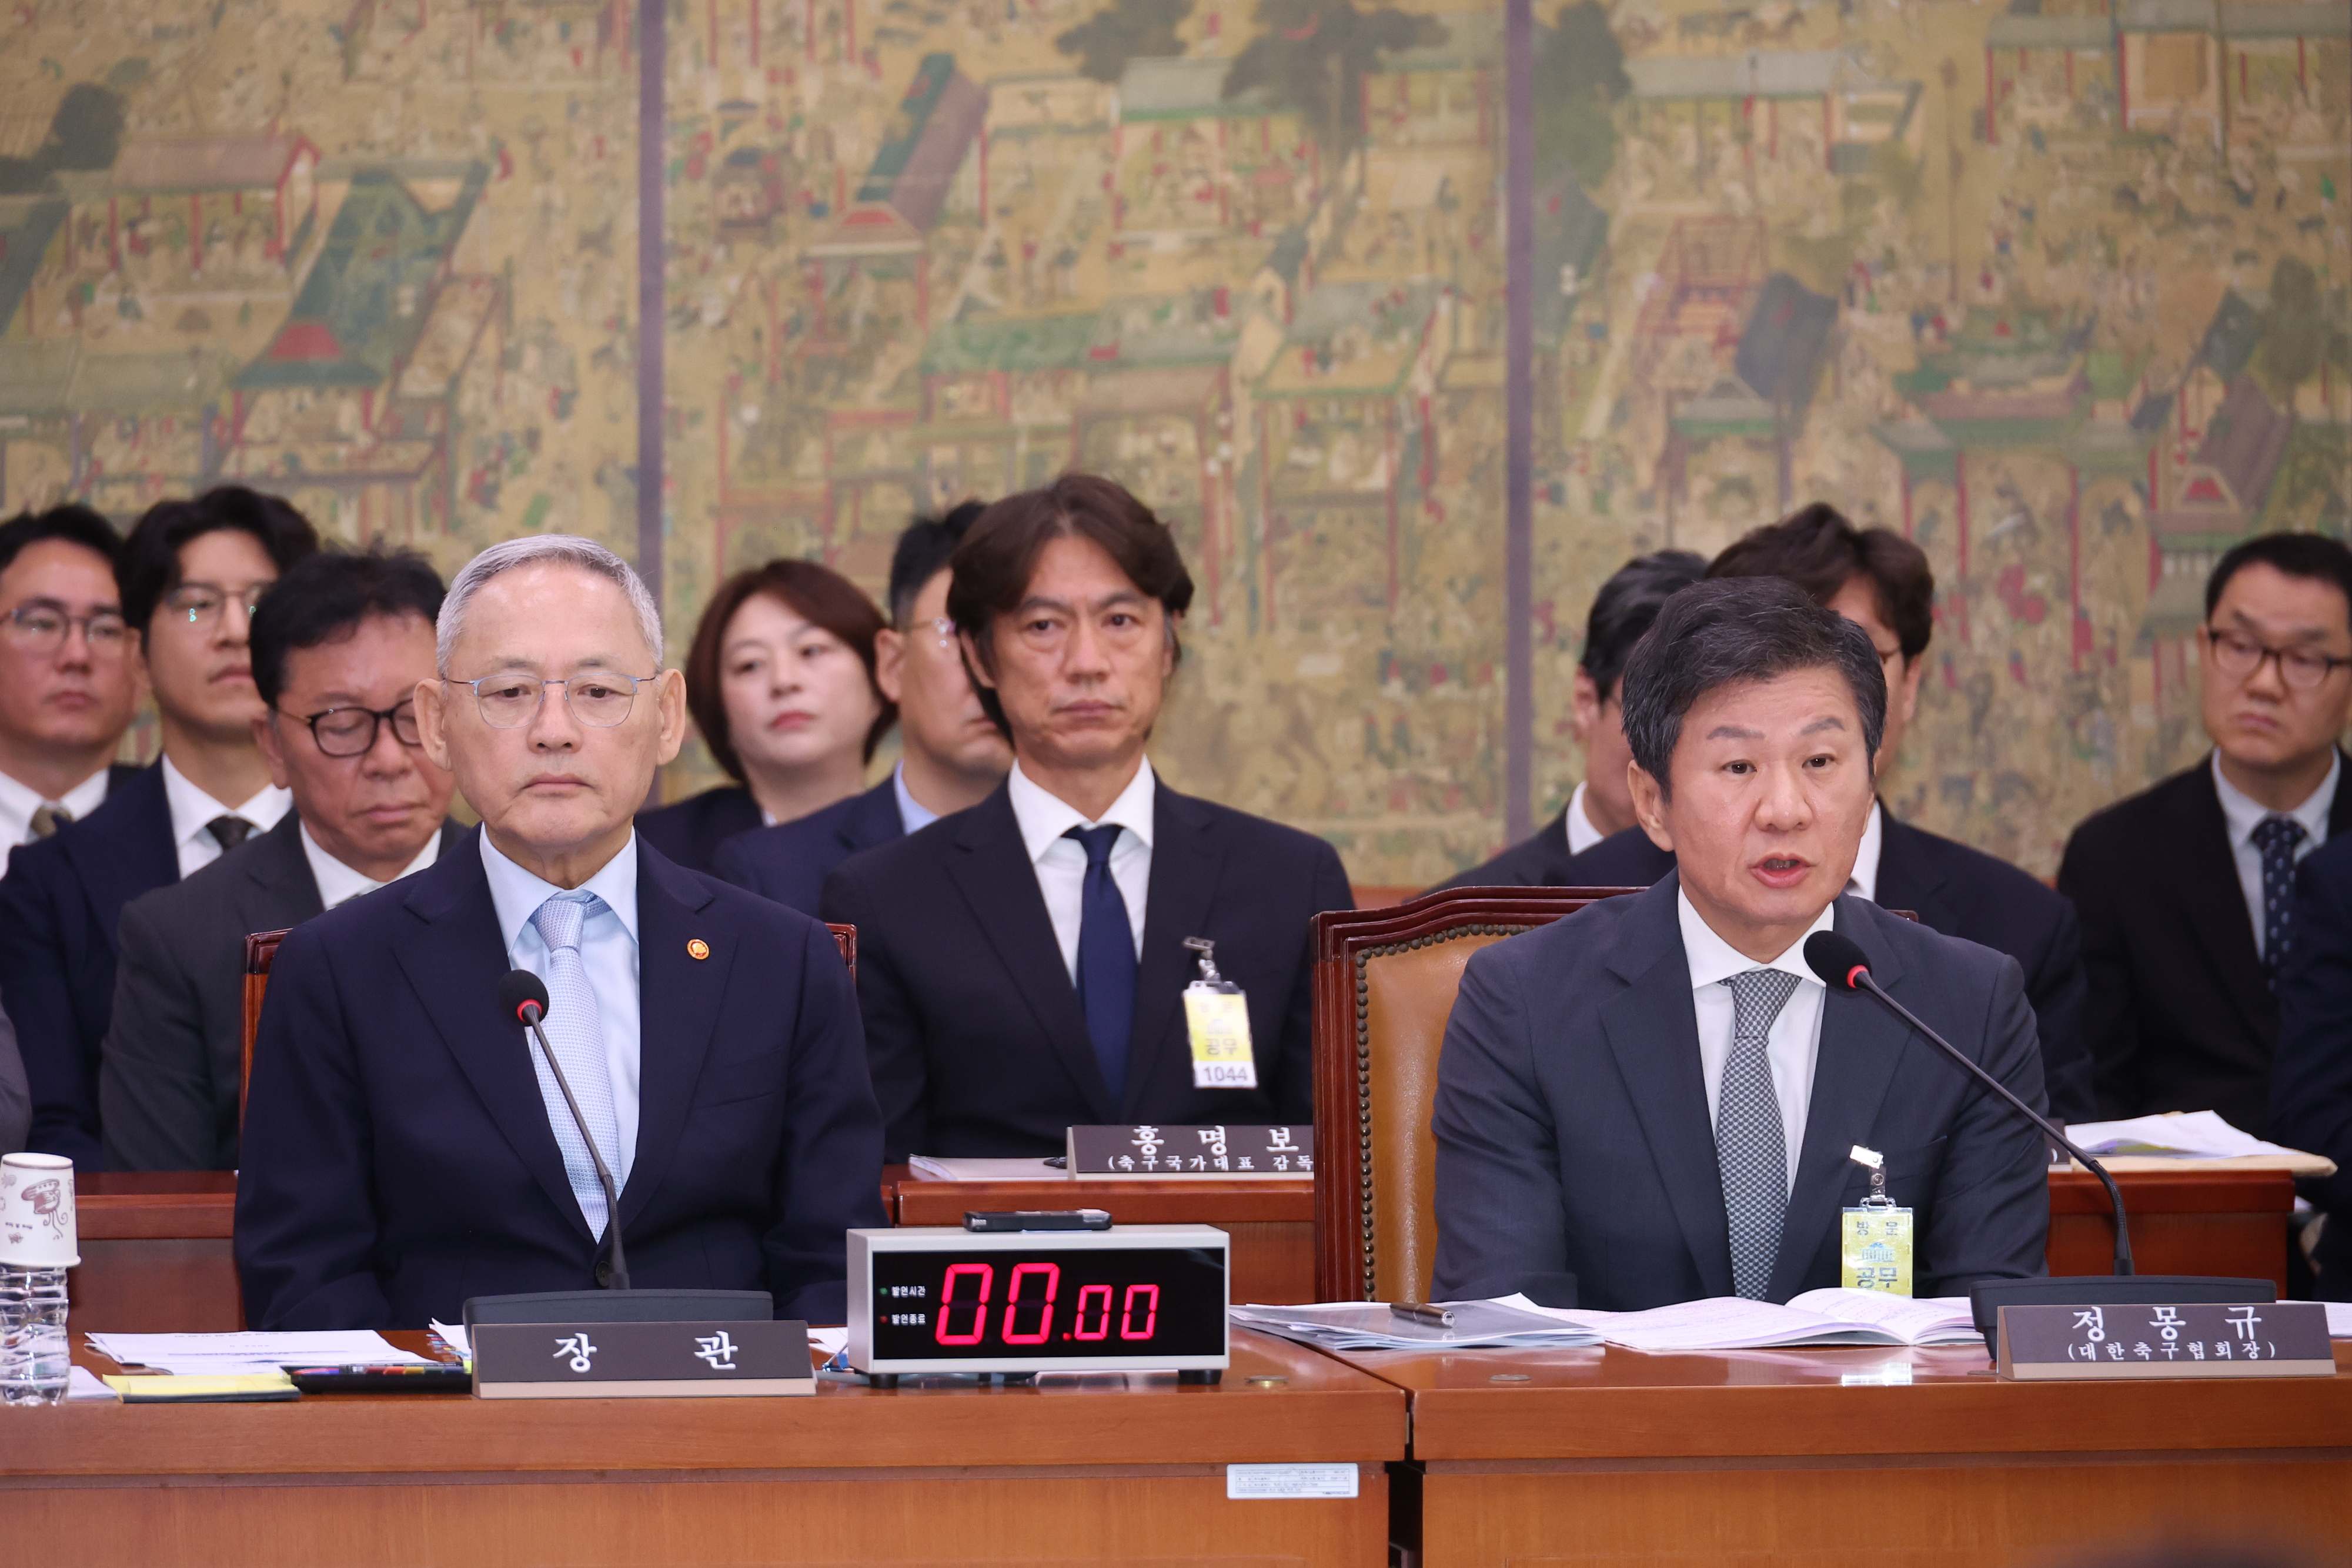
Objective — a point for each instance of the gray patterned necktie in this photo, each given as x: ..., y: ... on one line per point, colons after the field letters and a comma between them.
x: 576, y: 1034
x: 1751, y: 1142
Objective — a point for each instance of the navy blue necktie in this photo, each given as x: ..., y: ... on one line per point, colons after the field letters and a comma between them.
x: 2276, y: 838
x: 1106, y: 958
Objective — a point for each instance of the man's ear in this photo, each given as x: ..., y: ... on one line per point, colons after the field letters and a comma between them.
x: 1905, y: 697
x: 431, y: 730
x: 272, y: 746
x: 1584, y: 707
x: 976, y: 666
x: 890, y: 663
x: 1649, y: 806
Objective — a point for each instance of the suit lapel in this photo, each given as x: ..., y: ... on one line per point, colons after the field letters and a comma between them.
x: 453, y: 959
x: 1652, y: 1029
x: 873, y: 820
x: 999, y: 886
x: 1909, y: 876
x: 279, y: 885
x: 131, y: 854
x: 2214, y: 902
x: 1861, y: 1042
x: 1183, y: 884
x: 673, y: 1038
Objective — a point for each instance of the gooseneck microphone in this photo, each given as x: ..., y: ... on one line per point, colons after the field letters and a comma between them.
x: 1843, y: 966
x: 523, y: 995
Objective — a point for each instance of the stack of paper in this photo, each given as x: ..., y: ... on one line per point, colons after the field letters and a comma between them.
x: 232, y: 1355
x: 938, y: 1169
x: 1370, y: 1325
x: 1833, y: 1316
x: 2176, y: 1134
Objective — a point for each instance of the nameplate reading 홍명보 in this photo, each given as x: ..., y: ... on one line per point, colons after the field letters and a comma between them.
x: 667, y: 1361
x: 1217, y: 1152
x: 2206, y: 1339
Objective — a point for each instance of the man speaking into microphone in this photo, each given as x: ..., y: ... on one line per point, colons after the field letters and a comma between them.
x: 406, y: 1146
x: 1656, y: 1100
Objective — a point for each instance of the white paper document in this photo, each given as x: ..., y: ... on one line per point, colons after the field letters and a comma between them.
x: 2339, y: 1317
x: 2175, y: 1135
x: 1833, y: 1316
x: 1370, y: 1325
x: 224, y: 1354
x: 454, y: 1336
x: 84, y: 1383
x: 938, y: 1169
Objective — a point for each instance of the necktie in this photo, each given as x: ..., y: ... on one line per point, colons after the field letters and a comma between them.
x: 1106, y: 958
x: 48, y: 818
x: 228, y: 830
x: 2276, y: 837
x: 1751, y: 1143
x: 576, y: 1035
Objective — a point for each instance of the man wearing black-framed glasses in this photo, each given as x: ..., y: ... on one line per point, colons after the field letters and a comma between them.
x: 337, y: 652
x: 2186, y: 890
x: 67, y: 689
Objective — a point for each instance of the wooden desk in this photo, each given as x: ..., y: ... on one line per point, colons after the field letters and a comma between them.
x: 1272, y: 1223
x: 1080, y: 1468
x: 1611, y: 1458
x: 2230, y: 1222
x: 156, y: 1252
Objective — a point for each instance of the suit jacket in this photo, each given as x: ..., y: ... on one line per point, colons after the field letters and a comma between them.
x: 1958, y: 891
x: 403, y: 1160
x: 174, y: 1050
x: 1572, y: 1130
x: 16, y: 1100
x: 2311, y: 1082
x: 1538, y: 860
x: 978, y: 1044
x: 59, y: 903
x: 2180, y: 1016
x: 790, y: 861
x: 691, y: 832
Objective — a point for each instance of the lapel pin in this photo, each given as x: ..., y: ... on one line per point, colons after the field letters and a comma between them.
x: 697, y: 949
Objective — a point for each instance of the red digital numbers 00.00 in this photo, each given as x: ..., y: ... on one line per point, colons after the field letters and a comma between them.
x: 1094, y: 1302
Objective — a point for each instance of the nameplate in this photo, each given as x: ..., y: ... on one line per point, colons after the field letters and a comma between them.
x: 1223, y: 1153
x: 622, y: 1361
x: 2202, y: 1339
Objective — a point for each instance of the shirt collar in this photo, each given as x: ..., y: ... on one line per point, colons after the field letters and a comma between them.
x: 517, y: 893
x: 339, y: 884
x: 1712, y: 960
x: 1581, y: 834
x: 2244, y: 813
x: 193, y: 810
x: 1864, y: 881
x: 912, y: 813
x: 1045, y: 818
x: 19, y: 801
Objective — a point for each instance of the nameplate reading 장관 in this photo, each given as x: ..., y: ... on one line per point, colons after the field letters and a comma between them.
x: 2208, y: 1339
x: 664, y: 1361
x: 1223, y: 1153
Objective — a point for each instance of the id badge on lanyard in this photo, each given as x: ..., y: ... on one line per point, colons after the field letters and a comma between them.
x: 1217, y: 1017
x: 1874, y: 1237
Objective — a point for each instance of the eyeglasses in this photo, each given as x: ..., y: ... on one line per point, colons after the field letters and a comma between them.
x: 943, y: 629
x: 601, y: 701
x: 2238, y: 656
x: 352, y: 731
x: 203, y: 602
x: 40, y: 628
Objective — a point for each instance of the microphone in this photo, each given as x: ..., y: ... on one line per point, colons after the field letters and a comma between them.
x: 1843, y: 966
x: 523, y: 997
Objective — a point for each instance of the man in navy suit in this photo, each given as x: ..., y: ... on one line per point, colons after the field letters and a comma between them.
x: 951, y: 756
x: 405, y: 1145
x: 1655, y: 1099
x: 2311, y: 1078
x: 1021, y: 965
x: 190, y: 573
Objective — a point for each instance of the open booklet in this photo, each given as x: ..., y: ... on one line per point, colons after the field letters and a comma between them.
x: 1371, y: 1325
x: 1833, y: 1316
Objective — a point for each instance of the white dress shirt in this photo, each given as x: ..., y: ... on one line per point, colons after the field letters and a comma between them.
x: 339, y: 884
x: 608, y: 950
x: 1062, y: 862
x: 1581, y: 834
x: 19, y: 802
x: 193, y: 812
x: 912, y: 813
x: 1795, y: 1041
x: 2243, y: 814
x: 1862, y: 883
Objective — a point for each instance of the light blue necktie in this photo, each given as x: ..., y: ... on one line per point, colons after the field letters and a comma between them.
x: 576, y: 1034
x: 1751, y: 1142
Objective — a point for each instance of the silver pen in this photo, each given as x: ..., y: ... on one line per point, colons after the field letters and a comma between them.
x: 1422, y: 1313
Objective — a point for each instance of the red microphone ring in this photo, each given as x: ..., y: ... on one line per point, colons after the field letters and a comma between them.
x: 1853, y: 976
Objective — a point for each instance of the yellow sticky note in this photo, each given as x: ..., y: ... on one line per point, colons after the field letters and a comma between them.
x: 225, y: 1388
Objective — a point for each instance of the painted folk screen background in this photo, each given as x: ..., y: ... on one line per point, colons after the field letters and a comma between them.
x: 2059, y: 290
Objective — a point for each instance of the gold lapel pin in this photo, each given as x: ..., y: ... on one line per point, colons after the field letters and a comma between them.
x: 698, y: 948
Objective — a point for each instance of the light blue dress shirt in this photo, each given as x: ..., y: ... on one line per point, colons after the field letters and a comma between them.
x: 608, y: 949
x: 913, y: 815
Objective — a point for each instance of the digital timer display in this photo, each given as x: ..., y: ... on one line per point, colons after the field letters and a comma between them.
x: 1048, y: 1305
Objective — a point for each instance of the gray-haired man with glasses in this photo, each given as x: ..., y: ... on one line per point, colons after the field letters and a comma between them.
x: 66, y: 685
x: 338, y: 650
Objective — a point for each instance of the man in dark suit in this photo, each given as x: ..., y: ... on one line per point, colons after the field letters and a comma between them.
x: 1021, y: 965
x: 2311, y: 1086
x: 336, y: 661
x: 407, y: 1146
x: 2187, y: 889
x: 1655, y: 1099
x: 190, y: 574
x: 951, y: 756
x: 1603, y: 803
x: 1882, y: 582
x: 16, y: 1100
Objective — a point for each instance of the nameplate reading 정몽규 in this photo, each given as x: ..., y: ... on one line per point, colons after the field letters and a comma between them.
x: 667, y: 1361
x: 2208, y: 1339
x: 1219, y: 1153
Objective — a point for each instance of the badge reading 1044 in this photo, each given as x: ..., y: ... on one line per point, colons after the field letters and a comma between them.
x: 619, y: 1361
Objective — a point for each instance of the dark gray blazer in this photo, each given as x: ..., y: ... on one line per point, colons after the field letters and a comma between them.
x: 174, y: 1053
x: 15, y: 1098
x: 1572, y: 1132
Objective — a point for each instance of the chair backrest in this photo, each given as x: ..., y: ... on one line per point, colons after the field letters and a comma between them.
x: 1385, y: 980
x: 262, y: 951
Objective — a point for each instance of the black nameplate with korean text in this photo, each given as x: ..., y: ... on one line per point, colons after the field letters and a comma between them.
x: 1223, y: 1153
x: 619, y: 1361
x: 2204, y: 1339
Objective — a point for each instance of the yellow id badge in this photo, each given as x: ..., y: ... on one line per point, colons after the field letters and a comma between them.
x: 1217, y: 1017
x: 1874, y: 1237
